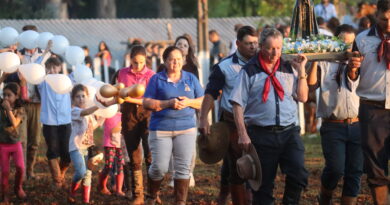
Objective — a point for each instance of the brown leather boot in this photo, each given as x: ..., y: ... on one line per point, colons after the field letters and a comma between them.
x: 223, y: 195
x: 325, y: 197
x: 63, y: 167
x: 138, y: 198
x: 55, y: 172
x: 238, y: 193
x: 379, y: 194
x: 348, y: 200
x: 153, y: 189
x: 181, y: 190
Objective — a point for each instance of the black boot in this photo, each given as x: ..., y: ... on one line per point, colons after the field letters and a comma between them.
x: 292, y: 193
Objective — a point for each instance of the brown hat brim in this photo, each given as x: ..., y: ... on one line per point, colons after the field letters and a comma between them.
x: 221, y: 131
x: 255, y: 183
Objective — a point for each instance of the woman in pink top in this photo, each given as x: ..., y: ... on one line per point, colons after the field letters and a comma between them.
x: 135, y: 120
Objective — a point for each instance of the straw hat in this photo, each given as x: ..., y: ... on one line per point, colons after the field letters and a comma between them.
x: 213, y: 148
x: 249, y: 168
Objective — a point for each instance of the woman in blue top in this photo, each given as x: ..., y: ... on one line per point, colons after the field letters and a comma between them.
x: 172, y: 95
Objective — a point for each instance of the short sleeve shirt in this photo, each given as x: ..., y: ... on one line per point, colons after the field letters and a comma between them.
x: 82, y: 130
x: 161, y: 88
x: 249, y: 90
x: 9, y: 134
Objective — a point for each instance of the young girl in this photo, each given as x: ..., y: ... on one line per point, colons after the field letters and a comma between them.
x: 112, y: 152
x: 83, y: 125
x: 11, y: 115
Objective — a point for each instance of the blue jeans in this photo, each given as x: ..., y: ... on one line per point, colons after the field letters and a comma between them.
x: 79, y: 159
x: 164, y: 144
x: 341, y: 146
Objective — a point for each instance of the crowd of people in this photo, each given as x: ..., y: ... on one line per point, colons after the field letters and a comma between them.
x: 257, y: 92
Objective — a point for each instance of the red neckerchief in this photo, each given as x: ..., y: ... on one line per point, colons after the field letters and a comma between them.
x: 271, y: 78
x: 384, y: 48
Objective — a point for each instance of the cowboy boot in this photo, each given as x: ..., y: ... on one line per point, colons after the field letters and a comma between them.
x: 153, y: 189
x: 348, y: 200
x: 86, y: 193
x: 325, y: 196
x: 19, y: 184
x: 63, y: 167
x: 379, y: 194
x: 55, y: 172
x: 102, y: 188
x: 119, y: 184
x: 138, y: 198
x: 72, y: 193
x: 181, y: 191
x: 223, y: 195
x: 238, y: 193
x: 127, y: 180
x: 292, y: 193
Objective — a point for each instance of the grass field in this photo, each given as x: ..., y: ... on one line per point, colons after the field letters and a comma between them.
x: 205, y: 192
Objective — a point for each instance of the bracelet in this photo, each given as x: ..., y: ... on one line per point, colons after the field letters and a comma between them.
x: 303, y: 77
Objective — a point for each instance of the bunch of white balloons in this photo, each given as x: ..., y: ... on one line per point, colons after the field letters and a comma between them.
x: 36, y: 74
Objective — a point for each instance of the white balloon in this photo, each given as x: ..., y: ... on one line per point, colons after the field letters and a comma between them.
x: 28, y: 39
x: 33, y: 73
x: 60, y: 83
x: 8, y: 36
x: 60, y: 44
x: 9, y: 62
x: 107, y: 112
x: 74, y: 55
x: 82, y: 73
x: 43, y: 39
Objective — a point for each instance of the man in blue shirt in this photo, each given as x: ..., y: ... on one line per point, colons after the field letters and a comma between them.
x: 265, y: 111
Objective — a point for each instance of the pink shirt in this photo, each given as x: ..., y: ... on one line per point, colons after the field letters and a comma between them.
x: 112, y: 139
x: 128, y: 77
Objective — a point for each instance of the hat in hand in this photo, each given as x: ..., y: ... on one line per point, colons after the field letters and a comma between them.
x: 212, y: 148
x: 249, y: 168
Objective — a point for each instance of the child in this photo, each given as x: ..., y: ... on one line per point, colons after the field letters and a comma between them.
x: 11, y: 115
x: 112, y: 151
x: 56, y: 120
x: 83, y: 125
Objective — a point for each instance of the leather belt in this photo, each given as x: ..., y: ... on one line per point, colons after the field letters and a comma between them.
x: 275, y: 128
x: 345, y: 121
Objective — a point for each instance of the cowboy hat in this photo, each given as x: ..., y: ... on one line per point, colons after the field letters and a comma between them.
x: 212, y: 148
x: 249, y: 168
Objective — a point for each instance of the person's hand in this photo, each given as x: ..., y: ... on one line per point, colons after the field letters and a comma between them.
x: 204, y: 126
x: 184, y: 101
x: 21, y: 78
x: 6, y: 105
x: 299, y: 62
x: 244, y: 141
x: 355, y: 59
x: 179, y: 103
x: 106, y: 103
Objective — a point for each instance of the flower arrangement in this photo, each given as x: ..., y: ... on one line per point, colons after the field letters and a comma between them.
x: 314, y: 44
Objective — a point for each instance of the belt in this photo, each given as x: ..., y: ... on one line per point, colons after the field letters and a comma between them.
x: 345, y: 121
x: 372, y: 102
x: 275, y: 128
